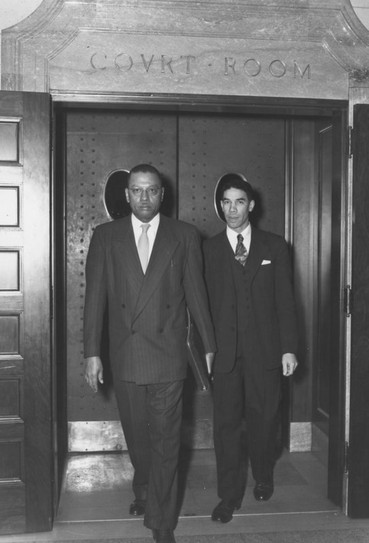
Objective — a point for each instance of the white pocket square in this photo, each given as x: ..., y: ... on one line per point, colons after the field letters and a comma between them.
x: 264, y: 262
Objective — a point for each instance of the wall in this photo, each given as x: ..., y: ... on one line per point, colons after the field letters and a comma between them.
x: 361, y: 8
x: 14, y: 12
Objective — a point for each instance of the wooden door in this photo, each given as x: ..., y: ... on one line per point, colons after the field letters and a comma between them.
x: 318, y: 253
x: 358, y: 460
x: 328, y: 363
x: 25, y: 369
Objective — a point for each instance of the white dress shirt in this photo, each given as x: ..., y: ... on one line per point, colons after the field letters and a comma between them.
x: 151, y: 232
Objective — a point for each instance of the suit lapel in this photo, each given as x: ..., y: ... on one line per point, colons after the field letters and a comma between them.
x: 161, y: 255
x: 127, y: 256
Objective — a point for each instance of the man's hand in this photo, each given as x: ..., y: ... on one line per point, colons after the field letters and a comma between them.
x: 209, y: 362
x: 289, y: 363
x: 93, y: 372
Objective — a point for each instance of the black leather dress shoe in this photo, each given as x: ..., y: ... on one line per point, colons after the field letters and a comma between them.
x: 137, y: 508
x: 263, y: 491
x: 224, y: 511
x: 163, y: 536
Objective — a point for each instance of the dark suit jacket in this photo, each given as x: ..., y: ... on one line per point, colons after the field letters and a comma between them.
x: 146, y: 313
x: 271, y: 299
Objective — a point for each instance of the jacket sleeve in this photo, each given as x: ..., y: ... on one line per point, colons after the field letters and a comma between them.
x: 96, y: 295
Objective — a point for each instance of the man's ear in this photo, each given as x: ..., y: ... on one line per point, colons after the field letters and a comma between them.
x: 127, y: 195
x: 251, y: 205
x: 162, y: 194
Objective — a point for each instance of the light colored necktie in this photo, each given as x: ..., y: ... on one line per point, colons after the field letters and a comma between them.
x: 240, y: 253
x: 143, y: 247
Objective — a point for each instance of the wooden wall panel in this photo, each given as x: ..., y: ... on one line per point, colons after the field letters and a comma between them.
x: 9, y: 144
x: 9, y: 206
x: 26, y: 500
x: 358, y: 472
x: 305, y: 202
x: 325, y: 275
x: 10, y: 398
x: 9, y: 334
x: 11, y: 461
x: 9, y: 270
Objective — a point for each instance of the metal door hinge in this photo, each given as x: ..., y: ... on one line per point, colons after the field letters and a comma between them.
x: 350, y: 135
x: 347, y: 296
x: 346, y: 461
x: 52, y: 302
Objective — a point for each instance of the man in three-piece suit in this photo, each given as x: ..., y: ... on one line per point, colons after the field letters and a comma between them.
x: 248, y: 277
x: 147, y: 269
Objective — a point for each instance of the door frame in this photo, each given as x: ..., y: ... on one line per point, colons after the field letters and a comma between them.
x: 253, y: 106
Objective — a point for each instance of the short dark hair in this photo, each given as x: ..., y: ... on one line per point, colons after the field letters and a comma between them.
x: 144, y: 168
x: 235, y: 181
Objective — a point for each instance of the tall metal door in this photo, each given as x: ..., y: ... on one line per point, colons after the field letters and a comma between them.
x: 358, y: 465
x: 99, y: 146
x: 192, y: 151
x: 25, y: 369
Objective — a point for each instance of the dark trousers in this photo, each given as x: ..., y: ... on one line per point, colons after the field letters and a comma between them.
x: 151, y: 417
x: 251, y: 396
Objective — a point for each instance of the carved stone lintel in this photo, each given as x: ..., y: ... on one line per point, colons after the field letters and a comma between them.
x: 235, y: 47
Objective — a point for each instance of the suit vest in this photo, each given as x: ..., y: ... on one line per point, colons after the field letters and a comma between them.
x: 246, y: 329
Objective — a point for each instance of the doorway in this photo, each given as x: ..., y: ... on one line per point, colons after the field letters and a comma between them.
x: 290, y: 156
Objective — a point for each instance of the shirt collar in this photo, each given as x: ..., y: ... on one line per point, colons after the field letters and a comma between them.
x: 232, y: 234
x: 136, y: 223
x: 232, y: 237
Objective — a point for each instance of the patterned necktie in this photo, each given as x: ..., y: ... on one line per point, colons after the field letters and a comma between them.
x: 240, y: 253
x: 143, y: 247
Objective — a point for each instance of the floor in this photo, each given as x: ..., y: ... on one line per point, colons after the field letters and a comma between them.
x: 97, y: 493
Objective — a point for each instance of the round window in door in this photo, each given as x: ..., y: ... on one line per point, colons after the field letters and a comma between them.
x: 114, y: 196
x: 219, y: 191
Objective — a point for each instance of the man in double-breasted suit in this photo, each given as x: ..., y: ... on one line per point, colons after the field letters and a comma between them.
x: 248, y: 277
x: 147, y: 269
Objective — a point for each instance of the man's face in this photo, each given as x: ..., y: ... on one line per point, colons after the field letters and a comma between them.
x: 144, y: 194
x: 236, y: 208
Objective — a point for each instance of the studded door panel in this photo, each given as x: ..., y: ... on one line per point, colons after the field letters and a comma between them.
x: 99, y: 144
